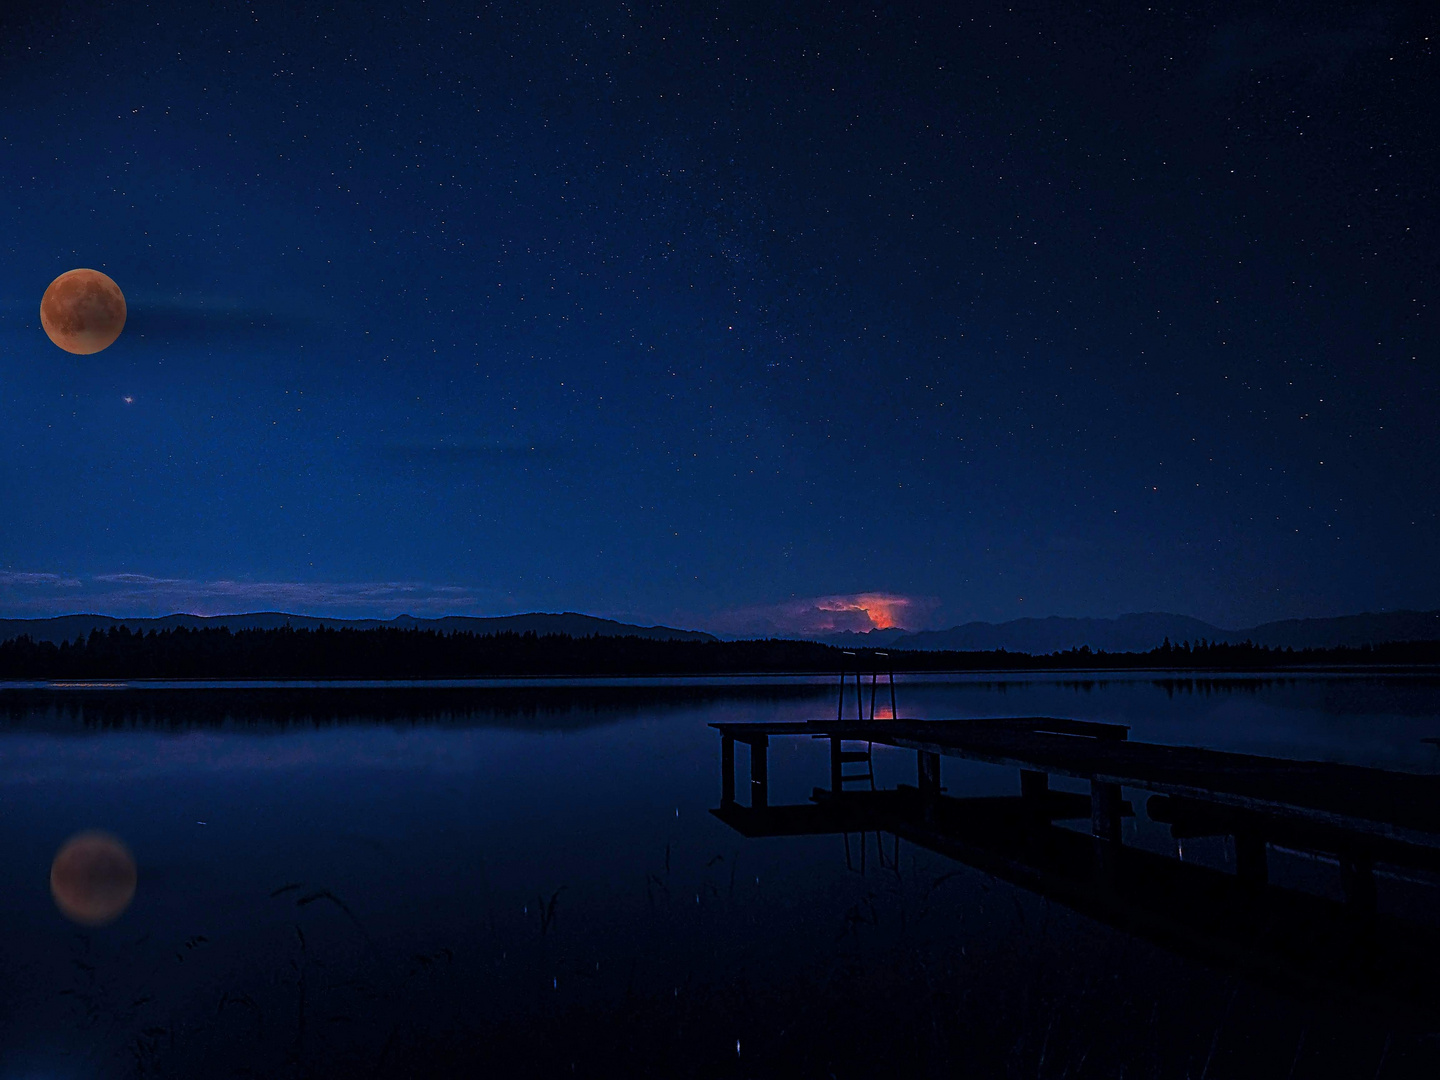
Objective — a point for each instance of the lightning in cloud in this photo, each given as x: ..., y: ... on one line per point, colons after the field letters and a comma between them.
x: 855, y: 612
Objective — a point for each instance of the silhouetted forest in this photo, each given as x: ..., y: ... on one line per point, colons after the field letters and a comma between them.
x: 428, y: 654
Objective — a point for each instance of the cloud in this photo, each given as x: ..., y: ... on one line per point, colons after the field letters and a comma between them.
x: 19, y: 580
x: 207, y: 320
x: 33, y: 759
x: 136, y: 579
x: 214, y: 320
x: 856, y: 612
x: 140, y: 595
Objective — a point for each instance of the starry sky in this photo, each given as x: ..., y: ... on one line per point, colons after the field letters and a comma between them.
x: 751, y: 316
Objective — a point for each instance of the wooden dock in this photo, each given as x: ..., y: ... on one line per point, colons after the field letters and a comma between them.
x: 1360, y: 817
x: 1344, y: 809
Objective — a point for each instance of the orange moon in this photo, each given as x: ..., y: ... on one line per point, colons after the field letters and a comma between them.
x: 83, y: 311
x: 93, y: 878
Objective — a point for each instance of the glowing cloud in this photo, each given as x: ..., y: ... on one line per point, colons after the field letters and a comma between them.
x: 817, y: 615
x: 882, y: 611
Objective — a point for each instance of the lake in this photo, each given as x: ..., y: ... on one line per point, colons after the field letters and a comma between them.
x: 525, y: 877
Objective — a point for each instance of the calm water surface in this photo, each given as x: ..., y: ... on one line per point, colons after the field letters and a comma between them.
x: 526, y: 878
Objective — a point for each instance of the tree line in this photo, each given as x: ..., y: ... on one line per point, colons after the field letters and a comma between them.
x: 394, y: 653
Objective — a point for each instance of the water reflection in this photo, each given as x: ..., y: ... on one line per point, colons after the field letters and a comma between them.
x: 525, y: 881
x: 93, y: 878
x: 1362, y: 821
x: 552, y: 705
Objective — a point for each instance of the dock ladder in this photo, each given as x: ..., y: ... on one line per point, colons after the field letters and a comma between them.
x: 841, y: 755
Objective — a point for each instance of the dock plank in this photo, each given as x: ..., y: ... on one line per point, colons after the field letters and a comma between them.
x: 1395, y: 805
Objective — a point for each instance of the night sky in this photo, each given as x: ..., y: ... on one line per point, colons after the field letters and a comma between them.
x: 724, y: 316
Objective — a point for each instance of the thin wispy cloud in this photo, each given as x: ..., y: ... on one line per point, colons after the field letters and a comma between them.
x: 33, y: 760
x: 212, y: 320
x: 855, y: 612
x: 176, y: 318
x: 22, y: 580
x: 31, y: 594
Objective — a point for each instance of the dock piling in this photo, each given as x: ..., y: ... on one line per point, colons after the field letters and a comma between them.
x: 1357, y: 881
x: 760, y: 771
x: 1034, y: 787
x: 927, y: 766
x: 1105, y: 811
x: 727, y: 770
x: 1250, y: 859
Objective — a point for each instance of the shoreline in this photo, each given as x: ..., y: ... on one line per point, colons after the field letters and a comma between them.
x: 826, y: 680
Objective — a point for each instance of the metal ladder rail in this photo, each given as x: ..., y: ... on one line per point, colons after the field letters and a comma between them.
x: 866, y: 756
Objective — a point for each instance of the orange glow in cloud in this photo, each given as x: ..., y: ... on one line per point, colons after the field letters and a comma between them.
x: 883, y: 610
x: 855, y: 613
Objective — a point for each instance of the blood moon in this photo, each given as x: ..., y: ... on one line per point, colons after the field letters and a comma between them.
x: 93, y: 878
x: 83, y: 311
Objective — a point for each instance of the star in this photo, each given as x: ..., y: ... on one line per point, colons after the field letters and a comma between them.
x: 128, y: 400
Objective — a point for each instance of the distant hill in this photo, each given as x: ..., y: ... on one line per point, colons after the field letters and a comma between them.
x: 1128, y: 633
x: 864, y: 639
x: 1141, y: 632
x: 398, y: 653
x: 1367, y: 629
x: 69, y: 627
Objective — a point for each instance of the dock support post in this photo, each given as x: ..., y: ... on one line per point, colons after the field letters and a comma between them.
x: 1357, y: 881
x: 1250, y: 859
x: 1105, y: 817
x: 727, y: 770
x: 1105, y: 810
x: 1035, y: 790
x: 760, y: 771
x: 927, y: 767
x: 837, y: 782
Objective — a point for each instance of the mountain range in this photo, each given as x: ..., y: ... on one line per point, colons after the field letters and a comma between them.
x: 69, y: 627
x: 1128, y: 633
